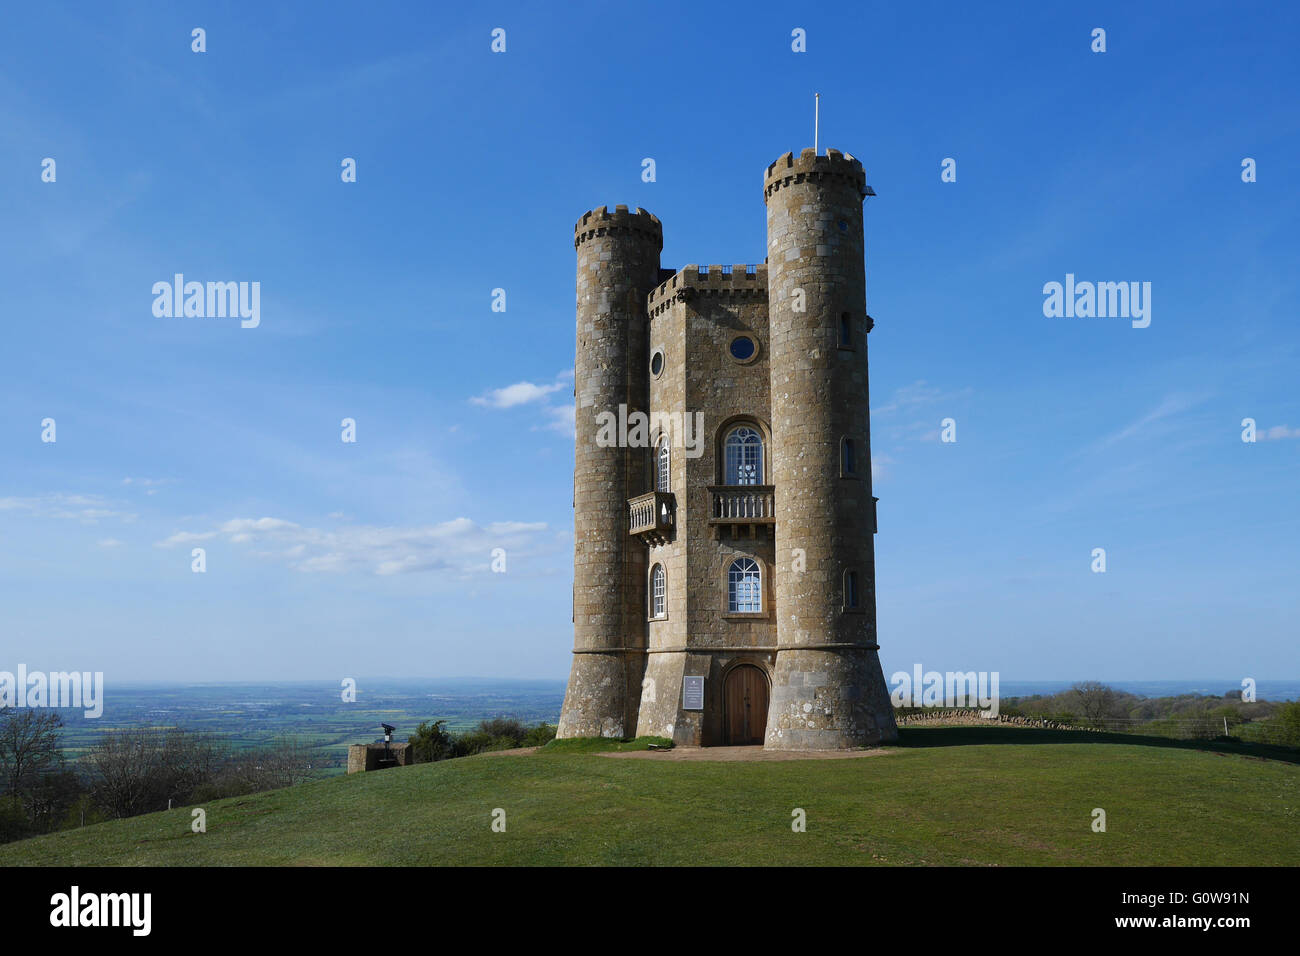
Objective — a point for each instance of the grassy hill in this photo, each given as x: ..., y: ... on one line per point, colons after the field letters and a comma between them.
x: 976, y: 796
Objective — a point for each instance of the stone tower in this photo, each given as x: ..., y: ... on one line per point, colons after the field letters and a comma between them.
x: 618, y: 265
x: 828, y: 691
x: 724, y: 577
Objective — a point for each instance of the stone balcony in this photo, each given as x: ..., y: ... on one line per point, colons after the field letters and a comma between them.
x: 651, y: 517
x: 743, y: 506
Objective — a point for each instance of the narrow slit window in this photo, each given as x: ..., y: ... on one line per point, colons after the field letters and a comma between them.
x: 658, y: 591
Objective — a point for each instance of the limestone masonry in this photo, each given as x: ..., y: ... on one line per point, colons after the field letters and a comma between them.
x: 723, y: 515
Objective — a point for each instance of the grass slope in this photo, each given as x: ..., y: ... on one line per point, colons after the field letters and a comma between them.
x: 971, y: 796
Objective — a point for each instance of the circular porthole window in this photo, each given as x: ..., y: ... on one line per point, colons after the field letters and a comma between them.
x: 743, y: 349
x: 657, y: 364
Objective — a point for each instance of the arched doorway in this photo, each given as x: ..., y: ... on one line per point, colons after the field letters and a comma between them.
x: 744, y: 703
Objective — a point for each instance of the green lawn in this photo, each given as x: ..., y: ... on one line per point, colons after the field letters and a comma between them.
x: 972, y: 796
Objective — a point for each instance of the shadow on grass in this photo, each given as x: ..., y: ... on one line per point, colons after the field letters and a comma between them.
x: 969, y: 736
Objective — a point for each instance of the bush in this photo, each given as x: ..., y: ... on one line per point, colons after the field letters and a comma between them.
x: 1287, y: 719
x: 540, y: 736
x: 13, y: 821
x: 431, y: 742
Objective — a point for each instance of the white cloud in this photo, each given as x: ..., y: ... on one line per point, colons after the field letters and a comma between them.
x: 1276, y: 432
x: 520, y: 393
x: 556, y: 418
x: 89, y: 509
x: 185, y: 537
x: 458, y: 547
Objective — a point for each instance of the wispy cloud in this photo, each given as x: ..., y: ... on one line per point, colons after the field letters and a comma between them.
x: 919, y: 392
x: 150, y: 485
x: 911, y: 400
x: 88, y: 509
x: 458, y: 547
x: 1170, y: 406
x: 1276, y: 432
x: 559, y: 418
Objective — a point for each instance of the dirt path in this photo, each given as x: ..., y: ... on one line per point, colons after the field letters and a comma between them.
x: 517, y: 752
x: 729, y: 754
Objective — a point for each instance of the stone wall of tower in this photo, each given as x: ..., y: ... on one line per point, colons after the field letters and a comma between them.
x: 828, y: 691
x: 693, y: 318
x: 618, y: 265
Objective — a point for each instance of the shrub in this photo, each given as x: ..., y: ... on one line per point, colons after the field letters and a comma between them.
x: 1287, y: 719
x: 540, y: 735
x: 431, y: 742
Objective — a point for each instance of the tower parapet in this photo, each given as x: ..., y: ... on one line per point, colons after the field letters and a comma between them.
x: 834, y: 167
x: 601, y: 222
x: 739, y: 280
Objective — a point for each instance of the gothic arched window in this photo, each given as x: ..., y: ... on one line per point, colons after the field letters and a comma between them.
x: 743, y: 456
x: 661, y: 466
x: 658, y: 591
x: 744, y: 587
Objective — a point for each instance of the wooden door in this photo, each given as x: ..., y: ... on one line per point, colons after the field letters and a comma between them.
x: 744, y: 704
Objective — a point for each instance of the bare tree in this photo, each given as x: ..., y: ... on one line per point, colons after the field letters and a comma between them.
x: 281, y: 765
x: 1096, y: 700
x: 29, y: 745
x: 126, y: 766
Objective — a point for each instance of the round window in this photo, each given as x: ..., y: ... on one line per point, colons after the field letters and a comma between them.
x: 743, y: 348
x: 656, y: 364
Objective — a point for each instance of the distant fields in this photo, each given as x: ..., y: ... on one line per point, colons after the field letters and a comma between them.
x: 963, y: 796
x: 257, y: 715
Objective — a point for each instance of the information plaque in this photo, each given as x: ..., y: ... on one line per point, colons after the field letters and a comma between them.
x: 693, y: 693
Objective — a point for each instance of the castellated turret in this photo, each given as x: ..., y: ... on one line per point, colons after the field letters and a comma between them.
x: 618, y: 265
x: 828, y: 690
x: 724, y: 575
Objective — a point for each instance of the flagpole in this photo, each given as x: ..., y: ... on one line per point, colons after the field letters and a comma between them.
x: 817, y: 115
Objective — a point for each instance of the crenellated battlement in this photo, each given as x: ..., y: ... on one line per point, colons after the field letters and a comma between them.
x: 601, y: 221
x: 741, y: 279
x: 834, y: 166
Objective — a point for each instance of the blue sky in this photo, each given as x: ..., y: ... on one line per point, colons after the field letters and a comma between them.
x: 327, y: 559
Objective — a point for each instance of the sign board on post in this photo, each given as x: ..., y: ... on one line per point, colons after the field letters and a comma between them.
x: 693, y: 693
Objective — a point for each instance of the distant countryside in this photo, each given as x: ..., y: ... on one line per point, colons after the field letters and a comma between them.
x: 164, y: 747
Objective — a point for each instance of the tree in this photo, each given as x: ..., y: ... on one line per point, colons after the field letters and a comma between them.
x: 1096, y: 700
x: 51, y: 798
x: 126, y: 764
x: 431, y: 742
x: 29, y: 745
